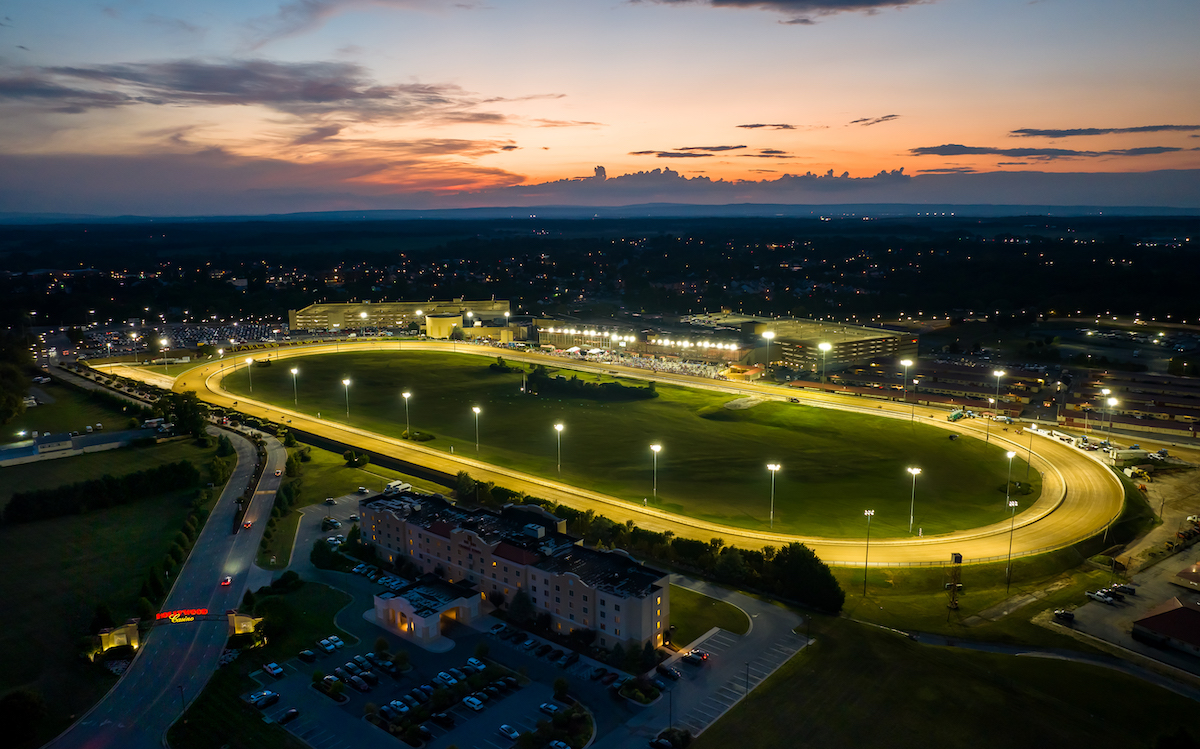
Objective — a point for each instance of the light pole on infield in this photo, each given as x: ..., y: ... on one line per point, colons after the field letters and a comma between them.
x: 867, y: 551
x: 295, y: 392
x: 654, y: 449
x: 558, y: 432
x: 773, y: 468
x: 407, y: 422
x: 912, y: 503
x: 476, y: 410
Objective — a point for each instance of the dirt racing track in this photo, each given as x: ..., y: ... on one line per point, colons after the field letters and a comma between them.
x: 1080, y: 496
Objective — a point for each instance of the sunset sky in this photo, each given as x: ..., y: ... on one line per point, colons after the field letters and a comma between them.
x: 262, y: 106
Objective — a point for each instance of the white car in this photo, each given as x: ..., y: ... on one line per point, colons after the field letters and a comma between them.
x: 446, y: 679
x: 509, y: 732
x: 1100, y: 596
x: 473, y: 703
x: 337, y: 642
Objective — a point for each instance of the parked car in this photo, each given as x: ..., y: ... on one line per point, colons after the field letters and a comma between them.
x: 1128, y: 590
x: 481, y: 696
x: 701, y: 654
x: 337, y: 641
x: 362, y: 661
x: 509, y: 732
x: 446, y: 679
x: 492, y: 690
x: 473, y: 703
x: 556, y: 744
x: 399, y: 706
x: 359, y: 569
x: 325, y: 645
x: 307, y: 656
x: 256, y: 696
x: 409, y: 700
x: 458, y: 674
x: 693, y: 659
x: 369, y: 677
x: 671, y: 673
x: 329, y: 681
x: 341, y: 674
x: 1099, y: 595
x: 352, y: 668
x: 599, y: 674
x: 570, y: 659
x: 420, y: 696
x: 549, y: 708
x: 476, y: 664
x: 266, y: 701
x: 388, y: 713
x: 273, y: 669
x: 496, y: 629
x: 661, y: 744
x: 511, y: 682
x: 555, y: 654
x: 543, y: 650
x: 1064, y: 615
x: 358, y: 683
x: 610, y: 678
x: 529, y: 644
x: 289, y: 716
x: 445, y: 720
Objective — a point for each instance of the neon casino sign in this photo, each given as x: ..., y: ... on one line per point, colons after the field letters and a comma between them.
x: 181, y: 615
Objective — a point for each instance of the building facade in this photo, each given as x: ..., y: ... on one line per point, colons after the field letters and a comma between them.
x: 354, y: 315
x: 524, y: 549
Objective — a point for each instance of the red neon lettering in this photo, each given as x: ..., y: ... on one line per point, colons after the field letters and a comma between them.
x: 181, y: 612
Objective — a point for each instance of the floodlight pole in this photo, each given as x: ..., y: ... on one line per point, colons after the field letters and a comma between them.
x: 867, y: 551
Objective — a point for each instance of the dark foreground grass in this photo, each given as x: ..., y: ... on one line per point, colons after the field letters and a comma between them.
x: 713, y: 460
x: 53, y: 473
x: 55, y: 573
x: 693, y: 614
x: 219, y: 717
x: 861, y: 687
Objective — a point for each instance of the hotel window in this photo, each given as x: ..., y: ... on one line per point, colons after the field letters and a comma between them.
x: 585, y: 609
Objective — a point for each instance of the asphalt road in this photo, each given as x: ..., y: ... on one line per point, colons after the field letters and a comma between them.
x: 1079, y: 497
x: 177, y: 660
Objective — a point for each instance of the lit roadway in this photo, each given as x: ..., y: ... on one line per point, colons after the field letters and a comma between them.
x: 177, y: 660
x: 1079, y: 495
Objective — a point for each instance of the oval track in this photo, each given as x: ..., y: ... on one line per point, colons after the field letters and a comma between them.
x: 1080, y: 497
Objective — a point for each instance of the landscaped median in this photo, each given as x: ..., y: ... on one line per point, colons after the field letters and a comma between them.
x: 693, y: 614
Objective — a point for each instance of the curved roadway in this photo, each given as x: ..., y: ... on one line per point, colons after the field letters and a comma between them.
x: 1079, y: 497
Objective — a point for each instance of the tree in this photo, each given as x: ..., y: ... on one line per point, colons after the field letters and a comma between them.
x: 22, y: 712
x: 561, y: 687
x: 337, y: 687
x: 649, y: 656
x: 381, y: 645
x: 145, y: 610
x: 521, y: 608
x: 400, y: 659
x: 370, y: 708
x: 617, y: 658
x: 289, y: 439
x: 248, y: 601
x: 102, y: 619
x: 731, y: 567
x: 481, y: 649
x: 800, y: 575
x: 464, y: 485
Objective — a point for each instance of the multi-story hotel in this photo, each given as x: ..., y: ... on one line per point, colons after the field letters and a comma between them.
x: 524, y: 548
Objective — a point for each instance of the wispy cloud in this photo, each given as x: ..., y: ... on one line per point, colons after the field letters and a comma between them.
x: 566, y: 123
x: 803, y: 12
x: 300, y: 16
x: 1029, y: 132
x: 303, y: 89
x: 713, y: 149
x: 672, y: 154
x: 868, y: 121
x: 776, y: 126
x: 1039, y: 154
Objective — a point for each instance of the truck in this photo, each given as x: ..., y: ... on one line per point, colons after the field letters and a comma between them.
x: 955, y: 415
x: 396, y: 487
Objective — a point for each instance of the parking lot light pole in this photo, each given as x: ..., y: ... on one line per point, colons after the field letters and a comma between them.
x: 1112, y: 404
x: 346, y: 384
x: 867, y: 552
x: 654, y: 449
x: 1012, y: 507
x: 906, y: 363
x: 988, y: 425
x: 770, y: 334
x: 166, y: 367
x: 558, y: 432
x: 773, y: 468
x: 295, y: 392
x: 250, y: 371
x: 912, y: 503
x: 825, y: 347
x: 407, y: 423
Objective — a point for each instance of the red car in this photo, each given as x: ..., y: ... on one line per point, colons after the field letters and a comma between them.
x: 248, y: 523
x: 227, y: 580
x: 278, y: 473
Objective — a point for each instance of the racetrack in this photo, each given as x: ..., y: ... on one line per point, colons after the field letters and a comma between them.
x: 1079, y: 495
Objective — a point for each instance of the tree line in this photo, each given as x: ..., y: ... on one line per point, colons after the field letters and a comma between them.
x: 96, y: 494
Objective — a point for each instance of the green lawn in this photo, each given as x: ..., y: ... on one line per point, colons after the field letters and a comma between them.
x: 713, y: 460
x: 52, y: 473
x: 859, y: 687
x: 693, y: 614
x: 327, y: 475
x: 55, y: 573
x: 71, y: 411
x: 219, y: 717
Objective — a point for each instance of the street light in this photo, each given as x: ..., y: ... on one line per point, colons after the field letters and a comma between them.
x: 1012, y: 507
x: 166, y: 367
x: 773, y: 467
x: 824, y: 350
x: 912, y: 503
x: 1112, y: 402
x: 346, y: 383
x: 295, y: 392
x: 362, y: 320
x: 1008, y: 484
x: 407, y: 423
x: 769, y: 335
x: 654, y: 449
x: 997, y: 373
x: 476, y: 409
x: 906, y: 363
x: 988, y: 423
x: 250, y: 371
x: 558, y: 432
x: 867, y: 553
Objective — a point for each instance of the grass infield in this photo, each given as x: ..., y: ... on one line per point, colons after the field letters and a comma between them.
x: 713, y: 459
x: 693, y: 614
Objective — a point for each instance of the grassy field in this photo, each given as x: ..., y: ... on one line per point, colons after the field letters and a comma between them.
x: 71, y: 411
x: 713, y: 459
x: 51, y: 473
x: 219, y: 717
x: 327, y: 475
x: 693, y: 614
x: 55, y: 573
x: 860, y: 687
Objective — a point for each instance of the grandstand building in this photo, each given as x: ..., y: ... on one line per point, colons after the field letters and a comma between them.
x: 338, y: 316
